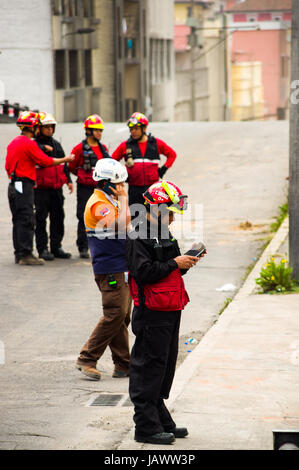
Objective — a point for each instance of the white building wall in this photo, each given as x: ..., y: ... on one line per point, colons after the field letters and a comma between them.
x: 161, y: 27
x: 26, y: 58
x: 161, y: 19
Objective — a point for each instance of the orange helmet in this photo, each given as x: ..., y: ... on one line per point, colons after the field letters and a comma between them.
x: 94, y: 121
x: 137, y: 119
x: 28, y: 119
x: 165, y: 192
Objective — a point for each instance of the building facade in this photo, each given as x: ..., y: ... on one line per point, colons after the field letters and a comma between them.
x: 77, y: 57
x: 200, y: 61
x: 260, y: 35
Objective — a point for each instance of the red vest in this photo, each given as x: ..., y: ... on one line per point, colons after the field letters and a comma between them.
x: 168, y: 294
x: 51, y: 178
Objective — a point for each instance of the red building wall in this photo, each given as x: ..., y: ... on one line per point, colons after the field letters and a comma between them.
x: 264, y: 46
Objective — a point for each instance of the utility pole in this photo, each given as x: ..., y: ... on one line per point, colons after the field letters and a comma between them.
x: 294, y: 148
x: 192, y: 65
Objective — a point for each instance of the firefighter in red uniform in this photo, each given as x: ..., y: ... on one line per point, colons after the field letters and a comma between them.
x: 158, y: 292
x: 48, y: 193
x: 87, y: 153
x: 142, y: 156
x: 22, y: 157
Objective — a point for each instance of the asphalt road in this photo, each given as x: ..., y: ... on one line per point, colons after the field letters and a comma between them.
x: 234, y: 175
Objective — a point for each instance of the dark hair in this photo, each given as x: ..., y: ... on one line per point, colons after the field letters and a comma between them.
x: 101, y: 184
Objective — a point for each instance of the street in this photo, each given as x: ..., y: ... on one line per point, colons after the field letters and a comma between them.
x: 234, y: 172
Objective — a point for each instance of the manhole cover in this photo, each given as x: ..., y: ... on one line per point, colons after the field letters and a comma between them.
x: 106, y: 400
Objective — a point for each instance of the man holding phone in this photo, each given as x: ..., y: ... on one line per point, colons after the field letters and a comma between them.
x: 106, y: 219
x: 158, y: 291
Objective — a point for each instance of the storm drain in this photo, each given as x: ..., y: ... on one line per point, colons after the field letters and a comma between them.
x: 110, y: 399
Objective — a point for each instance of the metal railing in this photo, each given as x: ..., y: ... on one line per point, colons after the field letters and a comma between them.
x: 9, y: 112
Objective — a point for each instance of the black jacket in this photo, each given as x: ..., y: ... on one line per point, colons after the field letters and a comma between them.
x: 150, y: 260
x: 57, y: 151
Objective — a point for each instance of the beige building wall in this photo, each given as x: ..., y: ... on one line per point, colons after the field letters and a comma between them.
x: 209, y: 67
x: 247, y: 91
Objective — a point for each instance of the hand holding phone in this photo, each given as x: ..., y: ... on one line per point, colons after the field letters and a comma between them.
x: 197, y: 250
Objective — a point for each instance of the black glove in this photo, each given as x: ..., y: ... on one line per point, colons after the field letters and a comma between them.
x: 161, y: 171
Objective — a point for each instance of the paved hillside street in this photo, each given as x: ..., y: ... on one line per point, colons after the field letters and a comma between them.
x: 234, y: 174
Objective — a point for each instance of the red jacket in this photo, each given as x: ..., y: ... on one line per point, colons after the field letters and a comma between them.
x: 145, y: 171
x: 22, y: 156
x: 166, y: 295
x: 76, y: 166
x: 51, y: 178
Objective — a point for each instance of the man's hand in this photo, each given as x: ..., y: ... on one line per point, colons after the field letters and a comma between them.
x: 186, y: 261
x: 68, y: 158
x: 120, y: 190
x: 71, y: 187
x: 48, y: 148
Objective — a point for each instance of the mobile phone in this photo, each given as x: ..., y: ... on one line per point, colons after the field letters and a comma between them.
x: 197, y: 250
x: 107, y: 187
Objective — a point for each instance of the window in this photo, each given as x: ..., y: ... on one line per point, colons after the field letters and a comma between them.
x: 162, y: 71
x: 88, y: 8
x: 88, y: 67
x: 60, y: 69
x: 73, y: 68
x: 169, y: 58
x: 240, y: 17
x: 264, y: 17
x: 144, y: 33
x: 58, y: 7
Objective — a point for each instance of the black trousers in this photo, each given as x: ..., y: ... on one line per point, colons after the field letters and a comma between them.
x: 21, y: 203
x: 83, y: 194
x: 152, y: 368
x: 49, y: 202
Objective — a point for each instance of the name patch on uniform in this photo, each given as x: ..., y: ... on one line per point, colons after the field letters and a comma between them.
x: 104, y: 212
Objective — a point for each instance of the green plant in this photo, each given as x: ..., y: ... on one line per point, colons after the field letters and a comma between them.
x: 284, y: 210
x: 226, y: 303
x: 276, y: 277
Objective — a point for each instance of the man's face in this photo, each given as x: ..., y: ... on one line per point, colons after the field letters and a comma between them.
x: 136, y: 132
x: 47, y: 130
x: 97, y: 133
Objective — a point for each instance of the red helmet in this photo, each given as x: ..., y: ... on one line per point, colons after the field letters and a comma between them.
x: 28, y: 119
x: 165, y: 192
x: 137, y: 119
x: 94, y: 121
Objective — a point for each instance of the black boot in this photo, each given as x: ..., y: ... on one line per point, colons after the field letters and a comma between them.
x: 84, y: 254
x: 159, y: 438
x: 61, y: 254
x: 46, y: 255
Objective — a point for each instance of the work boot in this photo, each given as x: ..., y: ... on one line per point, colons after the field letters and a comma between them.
x: 46, y: 255
x: 119, y: 374
x: 31, y: 260
x: 84, y: 254
x: 61, y: 254
x: 178, y: 432
x: 159, y: 438
x: 89, y: 371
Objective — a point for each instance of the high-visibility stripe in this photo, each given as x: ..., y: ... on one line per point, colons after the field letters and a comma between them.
x: 145, y: 160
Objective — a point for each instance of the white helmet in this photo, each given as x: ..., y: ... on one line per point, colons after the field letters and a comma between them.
x: 111, y: 170
x: 46, y: 119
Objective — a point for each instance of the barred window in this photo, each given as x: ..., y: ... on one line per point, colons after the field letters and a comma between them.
x: 59, y: 69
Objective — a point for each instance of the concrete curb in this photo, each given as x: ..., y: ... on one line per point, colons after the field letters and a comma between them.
x: 189, y: 365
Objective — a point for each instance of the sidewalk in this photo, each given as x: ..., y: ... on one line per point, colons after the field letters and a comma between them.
x: 241, y: 382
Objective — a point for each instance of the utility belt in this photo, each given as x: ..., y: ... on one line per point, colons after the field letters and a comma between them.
x: 15, y: 178
x: 113, y: 282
